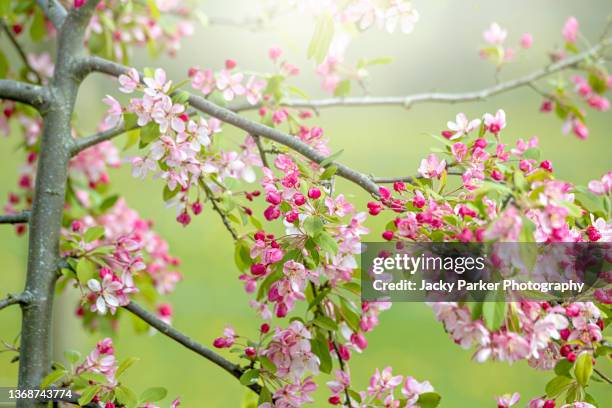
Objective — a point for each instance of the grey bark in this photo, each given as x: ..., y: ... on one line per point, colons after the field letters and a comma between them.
x: 48, y: 204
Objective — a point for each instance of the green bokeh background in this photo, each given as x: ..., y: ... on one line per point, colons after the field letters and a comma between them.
x: 440, y: 55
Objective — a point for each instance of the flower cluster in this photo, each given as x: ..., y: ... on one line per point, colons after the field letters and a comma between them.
x: 118, y: 24
x: 496, y: 51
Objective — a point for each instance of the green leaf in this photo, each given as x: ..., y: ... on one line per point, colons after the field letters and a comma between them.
x: 86, y: 270
x: 429, y: 400
x: 88, y: 394
x: 264, y: 396
x: 125, y: 364
x: 180, y: 97
x: 563, y: 368
x: 343, y: 88
x: 93, y: 234
x: 313, y: 225
x: 267, y: 364
x: 242, y: 256
x: 153, y: 394
x: 321, y: 350
x: 326, y: 243
x: 52, y: 378
x: 148, y: 133
x: 326, y: 323
x: 93, y: 377
x: 249, y: 376
x: 329, y: 159
x: 329, y: 172
x: 72, y: 357
x: 321, y: 38
x: 583, y: 368
x: 4, y: 65
x: 126, y: 396
x: 108, y: 203
x: 37, y: 29
x: 557, y: 385
x: 494, y: 311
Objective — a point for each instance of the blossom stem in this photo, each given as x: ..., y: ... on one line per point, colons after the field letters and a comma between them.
x: 20, y: 51
x: 226, y: 221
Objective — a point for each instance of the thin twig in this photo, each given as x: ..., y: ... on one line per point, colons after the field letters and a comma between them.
x: 226, y: 221
x: 169, y: 331
x: 262, y: 152
x: 20, y: 51
x: 602, y: 376
x: 409, y: 100
x: 20, y: 218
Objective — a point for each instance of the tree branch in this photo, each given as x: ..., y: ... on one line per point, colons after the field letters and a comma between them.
x: 54, y: 11
x: 86, y: 142
x: 186, y: 341
x: 226, y: 221
x: 91, y: 64
x: 20, y: 51
x: 408, y: 101
x: 22, y: 92
x: 22, y: 299
x: 20, y: 218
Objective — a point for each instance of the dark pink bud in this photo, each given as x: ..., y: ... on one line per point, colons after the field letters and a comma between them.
x: 258, y: 269
x: 564, y: 333
x: 196, y: 208
x: 374, y: 208
x: 230, y: 64
x: 388, y: 235
x: 250, y: 352
x: 273, y: 197
x: 593, y: 234
x: 76, y: 226
x: 572, y: 310
x: 314, y: 193
x: 264, y: 328
x: 571, y: 357
x: 399, y: 186
x: 220, y: 342
x: 299, y: 199
x: 165, y: 310
x: 418, y: 201
x: 385, y: 193
x: 482, y: 143
x: 447, y: 133
x: 291, y: 216
x: 547, y: 165
x: 549, y: 404
x: 272, y: 213
x: 359, y: 340
x: 281, y: 310
x: 334, y: 400
x: 259, y: 236
x: 344, y: 352
x: 79, y: 3
x: 497, y: 175
x: 184, y: 218
x: 17, y: 28
x: 546, y: 107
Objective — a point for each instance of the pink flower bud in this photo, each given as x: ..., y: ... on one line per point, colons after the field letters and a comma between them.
x: 273, y: 197
x: 230, y: 64
x: 527, y: 41
x: 17, y: 28
x: 359, y: 340
x: 564, y: 333
x: 547, y: 106
x: 447, y: 134
x: 388, y: 235
x: 272, y: 213
x: 334, y: 400
x: 546, y: 165
x: 76, y: 226
x: 291, y: 216
x: 314, y: 193
x: 572, y: 310
x: 374, y: 208
x: 549, y: 404
x: 220, y: 342
x: 165, y: 310
x: 184, y: 218
x: 196, y: 208
x: 274, y: 53
x: 109, y: 405
x: 264, y: 328
x: 250, y: 352
x: 299, y: 199
x: 385, y: 193
x: 344, y: 352
x: 259, y: 236
x: 399, y: 186
x: 480, y: 142
x: 79, y: 3
x: 281, y: 310
x: 571, y: 357
x: 258, y: 269
x: 497, y: 175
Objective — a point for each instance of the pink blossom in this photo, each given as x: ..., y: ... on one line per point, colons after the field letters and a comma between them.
x: 431, y: 167
x: 114, y: 113
x: 383, y: 382
x: 401, y: 12
x: 462, y: 125
x: 526, y: 40
x: 338, y: 206
x: 109, y: 292
x: 290, y: 351
x: 459, y: 151
x: 495, y: 123
x: 157, y: 84
x: 495, y: 35
x: 274, y: 53
x: 130, y: 81
x: 254, y: 88
x: 101, y: 360
x: 230, y: 84
x: 570, y: 30
x: 508, y: 400
x: 603, y: 186
x: 412, y: 389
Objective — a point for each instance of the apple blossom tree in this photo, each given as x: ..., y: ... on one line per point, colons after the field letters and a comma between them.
x: 302, y: 284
